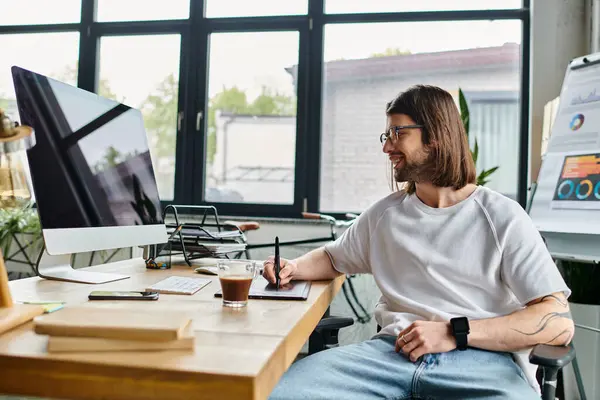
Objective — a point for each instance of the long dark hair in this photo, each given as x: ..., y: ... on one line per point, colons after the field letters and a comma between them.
x: 444, y: 134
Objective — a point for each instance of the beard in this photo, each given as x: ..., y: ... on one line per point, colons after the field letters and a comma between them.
x: 417, y: 168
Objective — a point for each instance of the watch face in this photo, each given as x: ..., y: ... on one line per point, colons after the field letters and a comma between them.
x: 460, y: 325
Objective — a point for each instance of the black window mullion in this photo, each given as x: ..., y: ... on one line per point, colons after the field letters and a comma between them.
x: 183, y: 192
x: 139, y: 27
x: 42, y: 28
x: 87, y: 74
x: 302, y: 159
x: 523, y: 168
x: 263, y: 24
x: 315, y: 86
x: 427, y: 16
x: 197, y: 102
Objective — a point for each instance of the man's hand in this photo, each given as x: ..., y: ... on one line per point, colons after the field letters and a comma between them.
x: 425, y: 337
x: 286, y: 273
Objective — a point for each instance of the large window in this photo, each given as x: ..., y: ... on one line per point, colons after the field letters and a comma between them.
x: 372, y: 6
x: 51, y: 54
x: 246, y: 8
x: 366, y: 65
x: 271, y: 108
x: 131, y: 73
x: 142, y: 10
x: 21, y: 12
x: 251, y: 142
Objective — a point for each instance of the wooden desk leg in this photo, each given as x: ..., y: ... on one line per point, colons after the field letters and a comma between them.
x: 11, y: 314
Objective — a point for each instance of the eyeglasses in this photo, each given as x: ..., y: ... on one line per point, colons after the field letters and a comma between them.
x: 394, y: 130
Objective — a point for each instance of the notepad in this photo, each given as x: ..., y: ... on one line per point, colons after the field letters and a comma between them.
x: 113, y: 323
x: 179, y: 285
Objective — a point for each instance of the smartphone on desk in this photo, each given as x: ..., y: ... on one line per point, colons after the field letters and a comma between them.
x: 122, y: 295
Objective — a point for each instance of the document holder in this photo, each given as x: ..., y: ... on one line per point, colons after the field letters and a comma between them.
x: 200, y: 235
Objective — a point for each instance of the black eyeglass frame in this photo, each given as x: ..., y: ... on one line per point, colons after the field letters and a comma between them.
x: 385, y: 135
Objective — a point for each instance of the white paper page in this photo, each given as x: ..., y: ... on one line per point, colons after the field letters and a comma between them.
x: 567, y: 198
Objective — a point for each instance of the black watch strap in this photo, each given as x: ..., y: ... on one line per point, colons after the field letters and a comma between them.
x: 460, y: 331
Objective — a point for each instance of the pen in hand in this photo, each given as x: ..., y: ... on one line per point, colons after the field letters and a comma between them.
x: 277, y: 263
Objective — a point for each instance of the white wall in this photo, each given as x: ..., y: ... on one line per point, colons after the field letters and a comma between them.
x: 559, y: 34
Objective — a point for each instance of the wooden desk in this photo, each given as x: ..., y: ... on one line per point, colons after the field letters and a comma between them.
x: 239, y: 354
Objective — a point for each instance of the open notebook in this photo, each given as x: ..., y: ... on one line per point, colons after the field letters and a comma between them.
x: 262, y: 289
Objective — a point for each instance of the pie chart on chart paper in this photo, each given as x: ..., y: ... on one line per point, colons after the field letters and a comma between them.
x: 576, y: 122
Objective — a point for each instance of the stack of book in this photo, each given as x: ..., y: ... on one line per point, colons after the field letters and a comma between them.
x: 89, y: 329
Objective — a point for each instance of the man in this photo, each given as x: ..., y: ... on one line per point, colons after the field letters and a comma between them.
x: 449, y: 258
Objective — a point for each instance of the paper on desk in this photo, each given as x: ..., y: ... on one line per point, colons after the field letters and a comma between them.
x: 214, y: 249
x: 48, y: 306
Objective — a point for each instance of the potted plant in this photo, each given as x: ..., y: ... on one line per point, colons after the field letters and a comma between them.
x: 483, y: 176
x: 23, y: 224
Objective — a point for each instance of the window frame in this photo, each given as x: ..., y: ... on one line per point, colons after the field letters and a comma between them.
x: 195, y: 34
x: 244, y: 25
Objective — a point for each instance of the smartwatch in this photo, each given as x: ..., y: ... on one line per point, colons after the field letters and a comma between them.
x: 460, y: 330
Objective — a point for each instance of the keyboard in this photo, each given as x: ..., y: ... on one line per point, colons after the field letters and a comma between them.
x: 179, y: 285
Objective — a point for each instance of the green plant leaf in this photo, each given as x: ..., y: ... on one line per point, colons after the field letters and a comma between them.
x: 487, y: 173
x: 464, y: 116
x: 464, y: 110
x: 15, y: 221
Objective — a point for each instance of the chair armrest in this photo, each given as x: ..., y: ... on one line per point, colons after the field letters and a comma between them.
x: 325, y: 335
x: 242, y: 226
x: 330, y: 323
x: 552, y: 356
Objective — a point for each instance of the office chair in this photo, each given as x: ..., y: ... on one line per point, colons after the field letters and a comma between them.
x: 549, y: 359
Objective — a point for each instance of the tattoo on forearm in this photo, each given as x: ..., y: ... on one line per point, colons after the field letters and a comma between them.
x: 566, y: 332
x: 545, y: 321
x: 562, y: 302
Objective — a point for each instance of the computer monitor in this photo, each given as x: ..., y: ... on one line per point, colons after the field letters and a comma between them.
x: 91, y: 173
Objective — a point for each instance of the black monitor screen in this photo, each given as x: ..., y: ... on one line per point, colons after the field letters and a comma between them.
x: 90, y: 165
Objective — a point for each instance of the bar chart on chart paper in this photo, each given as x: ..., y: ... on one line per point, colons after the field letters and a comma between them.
x: 585, y: 95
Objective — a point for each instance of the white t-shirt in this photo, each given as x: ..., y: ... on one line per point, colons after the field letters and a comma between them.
x: 480, y: 258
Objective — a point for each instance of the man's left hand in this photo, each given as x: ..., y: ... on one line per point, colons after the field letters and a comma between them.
x: 425, y: 337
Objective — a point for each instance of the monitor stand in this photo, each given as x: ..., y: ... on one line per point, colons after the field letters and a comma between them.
x: 59, y: 268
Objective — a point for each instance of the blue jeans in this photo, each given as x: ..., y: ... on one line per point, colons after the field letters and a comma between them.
x: 373, y: 370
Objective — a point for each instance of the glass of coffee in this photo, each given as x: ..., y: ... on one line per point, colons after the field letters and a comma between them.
x: 236, y: 277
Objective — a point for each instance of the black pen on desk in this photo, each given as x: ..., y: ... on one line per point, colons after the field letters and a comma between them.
x: 277, y: 263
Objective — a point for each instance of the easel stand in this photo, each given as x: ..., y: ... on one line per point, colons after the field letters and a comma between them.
x: 12, y: 315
